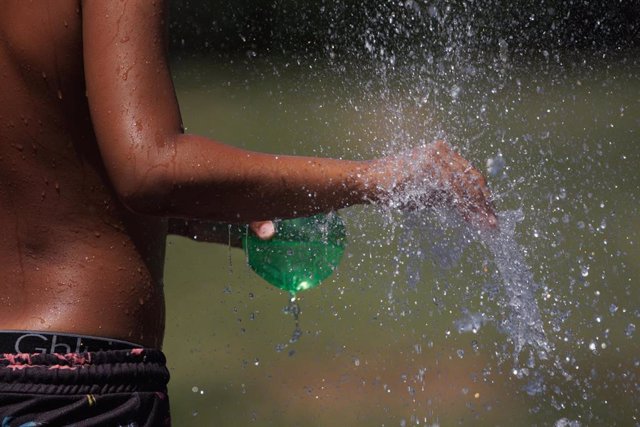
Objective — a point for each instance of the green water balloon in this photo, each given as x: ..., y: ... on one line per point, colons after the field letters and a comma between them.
x: 303, y: 252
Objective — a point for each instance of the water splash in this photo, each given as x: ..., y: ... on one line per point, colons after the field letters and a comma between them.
x: 471, y: 322
x: 444, y: 242
x: 522, y: 323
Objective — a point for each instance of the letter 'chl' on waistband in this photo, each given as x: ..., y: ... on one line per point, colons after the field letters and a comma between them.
x: 54, y: 342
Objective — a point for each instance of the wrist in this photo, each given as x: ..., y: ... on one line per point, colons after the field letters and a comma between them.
x: 377, y: 180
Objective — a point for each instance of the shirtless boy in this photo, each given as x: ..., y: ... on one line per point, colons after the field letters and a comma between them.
x: 93, y: 164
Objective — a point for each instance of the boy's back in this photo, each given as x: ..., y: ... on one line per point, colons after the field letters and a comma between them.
x: 74, y: 260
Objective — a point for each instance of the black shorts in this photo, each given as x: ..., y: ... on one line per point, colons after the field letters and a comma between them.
x: 98, y: 382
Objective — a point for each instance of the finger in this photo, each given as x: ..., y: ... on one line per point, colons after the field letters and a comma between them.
x: 484, y: 213
x: 485, y: 220
x: 486, y: 203
x: 265, y: 230
x: 477, y: 207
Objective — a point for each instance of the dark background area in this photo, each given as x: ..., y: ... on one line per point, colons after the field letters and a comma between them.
x: 303, y: 27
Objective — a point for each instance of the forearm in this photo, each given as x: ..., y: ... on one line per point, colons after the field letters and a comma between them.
x: 199, y: 178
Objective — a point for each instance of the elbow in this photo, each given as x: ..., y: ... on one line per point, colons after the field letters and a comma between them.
x: 145, y: 201
x: 145, y: 190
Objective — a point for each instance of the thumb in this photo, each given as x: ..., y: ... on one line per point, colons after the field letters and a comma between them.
x: 265, y: 230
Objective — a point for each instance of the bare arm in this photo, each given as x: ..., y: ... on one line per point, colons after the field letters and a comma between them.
x: 158, y: 170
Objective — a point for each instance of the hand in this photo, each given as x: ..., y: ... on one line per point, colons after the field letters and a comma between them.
x: 435, y: 175
x: 265, y: 230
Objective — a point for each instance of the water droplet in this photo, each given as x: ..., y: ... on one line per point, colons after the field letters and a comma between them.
x: 495, y: 164
x: 504, y: 53
x: 455, y: 91
x: 563, y: 193
x: 630, y: 329
x: 297, y: 333
x: 565, y: 422
x: 584, y: 270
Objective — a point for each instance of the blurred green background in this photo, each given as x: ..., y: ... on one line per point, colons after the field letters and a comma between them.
x: 375, y: 351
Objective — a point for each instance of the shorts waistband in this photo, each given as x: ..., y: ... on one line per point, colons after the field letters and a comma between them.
x: 53, y: 342
x: 101, y: 372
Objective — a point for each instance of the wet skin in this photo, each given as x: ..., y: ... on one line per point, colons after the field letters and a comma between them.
x: 93, y: 162
x: 73, y: 259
